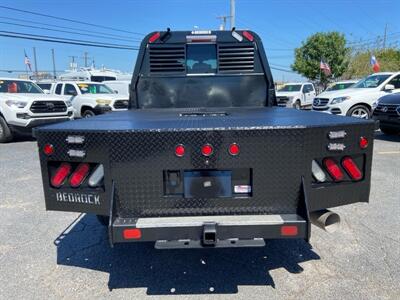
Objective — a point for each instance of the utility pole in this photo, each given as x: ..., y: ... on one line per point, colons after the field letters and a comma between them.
x: 233, y: 13
x: 35, y: 62
x: 384, y: 37
x: 223, y: 19
x: 54, y: 64
x: 86, y: 58
x: 73, y: 65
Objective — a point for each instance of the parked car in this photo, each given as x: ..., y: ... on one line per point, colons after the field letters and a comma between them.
x: 340, y: 85
x: 120, y: 87
x: 297, y: 95
x: 387, y: 112
x: 23, y: 105
x: 357, y: 100
x: 94, y: 75
x: 89, y: 98
x: 45, y: 85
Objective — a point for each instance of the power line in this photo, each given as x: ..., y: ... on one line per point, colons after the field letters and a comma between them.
x: 24, y: 71
x: 269, y: 34
x: 66, y: 27
x: 45, y: 38
x: 64, y: 31
x: 282, y: 70
x: 280, y: 66
x: 373, y: 40
x: 279, y: 49
x: 69, y: 20
x: 280, y: 56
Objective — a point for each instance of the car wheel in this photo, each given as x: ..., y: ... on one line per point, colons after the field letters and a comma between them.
x: 297, y: 105
x: 104, y: 220
x: 389, y: 130
x: 5, y: 132
x: 88, y: 113
x: 359, y: 111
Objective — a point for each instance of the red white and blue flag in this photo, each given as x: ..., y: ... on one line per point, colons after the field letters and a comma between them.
x: 374, y: 63
x: 27, y: 61
x: 325, y: 68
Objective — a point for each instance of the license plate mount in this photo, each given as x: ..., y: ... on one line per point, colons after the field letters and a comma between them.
x: 208, y: 184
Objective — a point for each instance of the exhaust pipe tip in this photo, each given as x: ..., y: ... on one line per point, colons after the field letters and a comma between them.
x: 326, y: 220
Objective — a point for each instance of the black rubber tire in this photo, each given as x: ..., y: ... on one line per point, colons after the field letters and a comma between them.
x: 103, y: 220
x: 389, y: 130
x: 5, y: 132
x: 297, y: 105
x: 358, y: 109
x: 88, y: 113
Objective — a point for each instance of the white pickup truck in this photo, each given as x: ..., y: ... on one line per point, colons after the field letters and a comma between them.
x: 357, y: 101
x: 296, y: 95
x: 88, y: 98
x: 23, y: 105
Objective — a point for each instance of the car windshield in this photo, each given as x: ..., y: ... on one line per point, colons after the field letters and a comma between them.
x: 93, y: 88
x: 372, y: 81
x: 339, y: 86
x: 290, y: 88
x: 18, y: 86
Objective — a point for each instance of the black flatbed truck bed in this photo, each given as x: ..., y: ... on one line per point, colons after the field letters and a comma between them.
x: 206, y: 119
x: 160, y: 183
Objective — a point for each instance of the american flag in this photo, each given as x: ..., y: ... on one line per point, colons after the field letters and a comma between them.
x: 325, y: 68
x: 27, y: 61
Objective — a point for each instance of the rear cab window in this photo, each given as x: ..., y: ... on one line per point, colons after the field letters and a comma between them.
x: 201, y: 59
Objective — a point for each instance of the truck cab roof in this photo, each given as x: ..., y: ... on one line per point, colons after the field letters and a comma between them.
x: 188, y: 69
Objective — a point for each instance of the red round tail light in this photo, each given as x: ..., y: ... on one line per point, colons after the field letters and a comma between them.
x: 207, y: 150
x: 180, y: 150
x: 363, y: 142
x: 48, y: 149
x: 234, y: 149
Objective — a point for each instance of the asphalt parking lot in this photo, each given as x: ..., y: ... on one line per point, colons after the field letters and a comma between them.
x: 66, y: 255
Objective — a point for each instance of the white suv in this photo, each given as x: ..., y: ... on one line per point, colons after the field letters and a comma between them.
x: 88, y: 98
x: 357, y: 101
x: 297, y: 95
x: 23, y: 105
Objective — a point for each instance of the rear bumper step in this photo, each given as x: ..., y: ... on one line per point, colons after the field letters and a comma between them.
x: 190, y: 244
x: 217, y: 231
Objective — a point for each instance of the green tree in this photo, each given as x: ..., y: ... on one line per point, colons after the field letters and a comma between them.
x: 329, y: 46
x: 359, y: 66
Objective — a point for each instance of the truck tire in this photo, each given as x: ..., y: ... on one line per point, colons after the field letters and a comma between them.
x: 5, y: 132
x: 103, y: 220
x: 297, y: 105
x: 88, y: 113
x: 389, y: 130
x: 359, y: 111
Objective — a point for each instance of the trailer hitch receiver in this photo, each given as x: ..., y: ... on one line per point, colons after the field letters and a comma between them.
x: 209, y: 234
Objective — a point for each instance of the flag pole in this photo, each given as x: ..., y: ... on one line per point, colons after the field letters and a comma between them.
x: 26, y: 67
x: 320, y: 72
